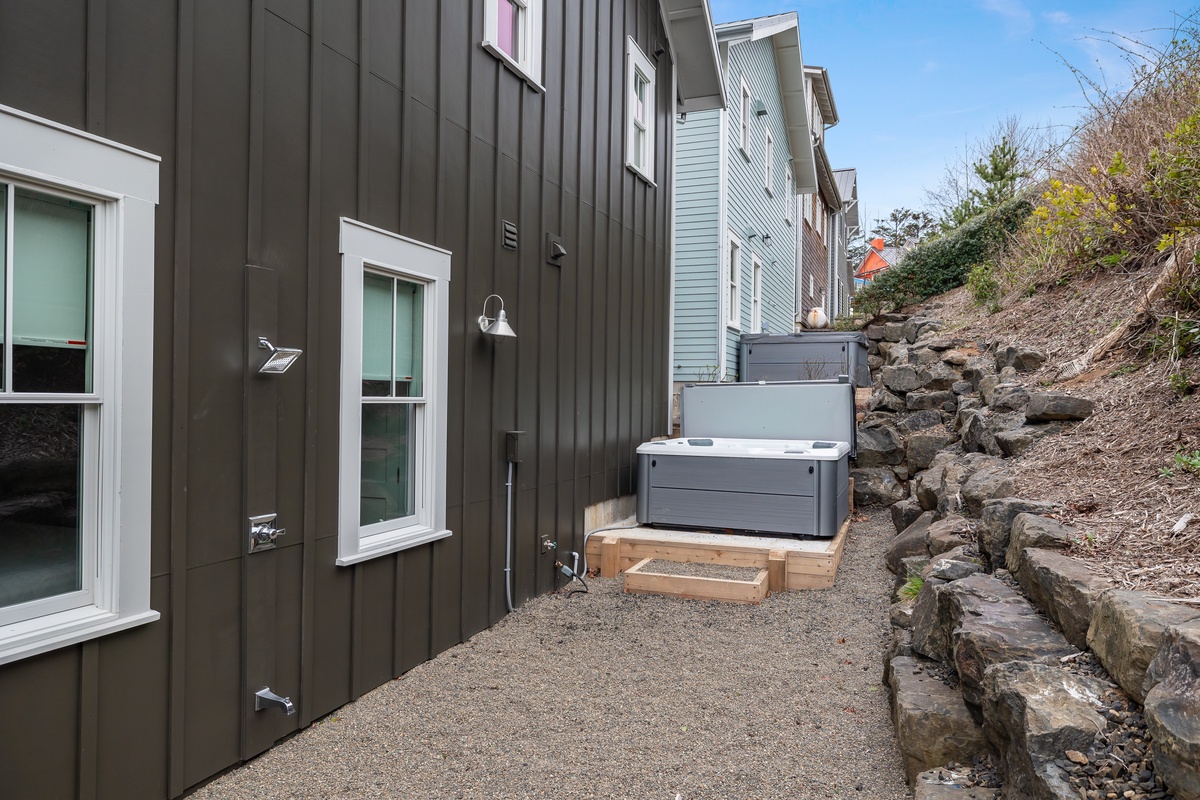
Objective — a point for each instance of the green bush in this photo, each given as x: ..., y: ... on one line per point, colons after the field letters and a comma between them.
x: 944, y: 263
x: 985, y: 289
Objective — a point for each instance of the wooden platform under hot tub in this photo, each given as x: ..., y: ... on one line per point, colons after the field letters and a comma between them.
x: 784, y: 563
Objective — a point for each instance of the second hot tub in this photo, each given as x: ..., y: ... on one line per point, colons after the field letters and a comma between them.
x: 761, y: 485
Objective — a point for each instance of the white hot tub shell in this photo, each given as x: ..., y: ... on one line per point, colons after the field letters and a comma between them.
x: 797, y: 487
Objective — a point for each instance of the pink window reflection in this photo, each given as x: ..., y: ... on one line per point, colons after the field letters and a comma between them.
x: 508, y: 27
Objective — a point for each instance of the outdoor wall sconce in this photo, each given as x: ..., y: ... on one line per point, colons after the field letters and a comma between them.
x: 280, y: 359
x: 497, y: 326
x: 760, y: 108
x: 766, y: 238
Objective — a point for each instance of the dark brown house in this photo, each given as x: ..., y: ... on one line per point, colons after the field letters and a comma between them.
x: 190, y: 190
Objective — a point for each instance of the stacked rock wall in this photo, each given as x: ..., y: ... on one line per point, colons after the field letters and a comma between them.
x: 1038, y: 664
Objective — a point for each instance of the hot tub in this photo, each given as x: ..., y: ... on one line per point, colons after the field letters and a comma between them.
x: 797, y: 487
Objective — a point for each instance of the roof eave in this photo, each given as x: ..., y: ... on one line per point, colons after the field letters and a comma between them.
x: 824, y: 94
x: 698, y: 79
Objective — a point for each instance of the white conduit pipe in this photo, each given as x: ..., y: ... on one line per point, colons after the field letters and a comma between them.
x: 508, y: 543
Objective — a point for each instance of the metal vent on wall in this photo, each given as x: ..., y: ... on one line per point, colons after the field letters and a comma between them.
x: 510, y: 235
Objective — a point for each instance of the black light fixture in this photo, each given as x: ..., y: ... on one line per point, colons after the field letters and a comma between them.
x: 766, y: 238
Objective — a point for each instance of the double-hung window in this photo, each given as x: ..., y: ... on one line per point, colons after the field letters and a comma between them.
x: 392, y: 473
x: 639, y: 111
x: 733, y: 283
x: 76, y: 333
x: 512, y: 31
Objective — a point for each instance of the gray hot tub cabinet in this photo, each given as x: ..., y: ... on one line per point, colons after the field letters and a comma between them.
x: 777, y: 487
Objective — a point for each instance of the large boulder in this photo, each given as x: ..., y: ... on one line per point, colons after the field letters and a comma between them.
x: 930, y: 635
x: 1033, y: 714
x: 915, y: 326
x: 1015, y: 442
x: 941, y: 400
x: 920, y: 421
x: 948, y: 534
x: 984, y: 485
x: 901, y: 378
x: 905, y: 513
x: 991, y: 623
x: 1126, y: 631
x: 1173, y: 710
x: 939, y: 376
x: 879, y: 446
x: 876, y: 486
x: 1022, y: 359
x: 883, y: 400
x: 976, y: 369
x: 995, y: 528
x: 1034, y: 530
x: 977, y: 436
x: 933, y: 725
x: 1065, y: 588
x: 923, y: 446
x: 1049, y: 406
x: 953, y: 565
x: 909, y: 542
x: 1007, y: 397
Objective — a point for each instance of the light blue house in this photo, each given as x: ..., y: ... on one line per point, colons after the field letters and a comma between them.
x: 739, y: 172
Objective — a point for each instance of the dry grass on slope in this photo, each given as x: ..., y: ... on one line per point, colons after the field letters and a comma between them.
x: 1116, y: 474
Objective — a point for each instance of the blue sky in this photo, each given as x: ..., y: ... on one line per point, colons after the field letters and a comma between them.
x: 914, y: 81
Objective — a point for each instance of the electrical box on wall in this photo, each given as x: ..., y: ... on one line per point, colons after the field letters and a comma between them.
x: 513, y: 446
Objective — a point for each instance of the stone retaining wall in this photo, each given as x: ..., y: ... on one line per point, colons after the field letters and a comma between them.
x: 1015, y: 670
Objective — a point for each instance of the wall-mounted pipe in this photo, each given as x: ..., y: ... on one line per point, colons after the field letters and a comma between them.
x: 508, y: 539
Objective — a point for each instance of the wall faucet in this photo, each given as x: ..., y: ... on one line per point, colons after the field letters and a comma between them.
x: 265, y: 698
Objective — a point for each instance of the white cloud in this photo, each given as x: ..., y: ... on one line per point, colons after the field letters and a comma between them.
x: 930, y: 66
x: 1017, y: 18
x: 1057, y: 17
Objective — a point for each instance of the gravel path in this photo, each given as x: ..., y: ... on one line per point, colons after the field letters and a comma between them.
x: 625, y: 696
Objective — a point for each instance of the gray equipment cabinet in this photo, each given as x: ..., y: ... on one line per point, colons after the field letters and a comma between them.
x: 805, y: 356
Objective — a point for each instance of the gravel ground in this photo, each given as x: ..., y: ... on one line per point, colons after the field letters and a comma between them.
x: 625, y: 696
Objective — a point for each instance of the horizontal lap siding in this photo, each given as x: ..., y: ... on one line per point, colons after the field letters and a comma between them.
x: 697, y: 244
x: 751, y: 208
x: 273, y: 118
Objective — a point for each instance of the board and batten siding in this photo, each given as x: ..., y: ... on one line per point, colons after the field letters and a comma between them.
x: 697, y: 245
x: 274, y: 118
x: 751, y: 208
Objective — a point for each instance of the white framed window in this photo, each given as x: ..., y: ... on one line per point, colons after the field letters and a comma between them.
x: 733, y: 283
x: 640, y: 111
x: 77, y: 330
x: 756, y: 297
x: 512, y: 31
x: 789, y: 189
x: 769, y: 164
x: 392, y: 448
x: 744, y: 141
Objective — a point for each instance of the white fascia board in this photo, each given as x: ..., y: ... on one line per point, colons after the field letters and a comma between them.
x: 789, y: 64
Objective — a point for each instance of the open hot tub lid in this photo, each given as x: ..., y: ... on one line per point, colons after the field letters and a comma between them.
x: 785, y: 410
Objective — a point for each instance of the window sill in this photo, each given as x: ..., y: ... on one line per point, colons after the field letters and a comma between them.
x: 41, y: 635
x: 745, y: 155
x: 768, y: 191
x: 640, y: 174
x: 514, y: 67
x: 734, y: 326
x: 394, y: 545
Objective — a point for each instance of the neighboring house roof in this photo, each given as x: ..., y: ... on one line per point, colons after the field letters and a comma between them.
x: 879, y: 258
x: 784, y: 32
x: 847, y: 183
x: 824, y: 95
x: 694, y: 49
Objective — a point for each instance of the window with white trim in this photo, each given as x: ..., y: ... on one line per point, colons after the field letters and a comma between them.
x: 640, y: 109
x: 769, y: 163
x: 744, y: 141
x: 789, y: 189
x: 756, y: 297
x: 733, y: 283
x: 392, y: 471
x: 77, y: 326
x: 512, y: 31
